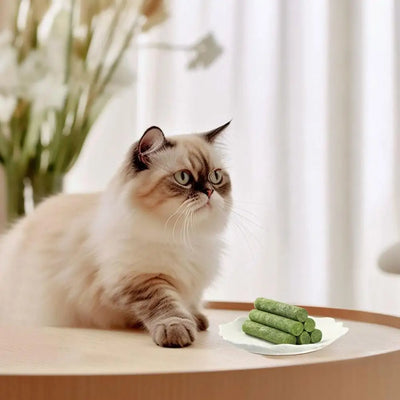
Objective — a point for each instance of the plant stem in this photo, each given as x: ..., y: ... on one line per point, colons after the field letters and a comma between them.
x: 4, y: 144
x: 15, y: 26
x: 109, y: 40
x: 15, y: 192
x: 165, y: 46
x: 118, y: 59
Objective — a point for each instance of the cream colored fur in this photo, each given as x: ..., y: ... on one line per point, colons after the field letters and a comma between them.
x: 62, y: 264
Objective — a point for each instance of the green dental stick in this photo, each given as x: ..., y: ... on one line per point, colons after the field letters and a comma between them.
x: 283, y: 309
x: 304, y: 338
x: 276, y: 321
x: 269, y: 334
x: 316, y: 336
x: 309, y: 325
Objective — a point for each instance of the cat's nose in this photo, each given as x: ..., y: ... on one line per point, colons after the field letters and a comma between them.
x: 208, y: 192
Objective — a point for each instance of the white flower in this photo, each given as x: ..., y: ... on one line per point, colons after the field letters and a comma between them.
x: 33, y: 67
x: 103, y: 26
x: 60, y: 25
x: 42, y: 63
x: 123, y: 77
x: 55, y: 23
x: 7, y: 107
x: 47, y: 93
x: 80, y: 78
x: 9, y: 80
x: 54, y: 57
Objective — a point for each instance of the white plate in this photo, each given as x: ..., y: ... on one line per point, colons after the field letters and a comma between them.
x: 232, y: 333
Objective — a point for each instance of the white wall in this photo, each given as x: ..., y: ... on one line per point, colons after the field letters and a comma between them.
x: 313, y: 146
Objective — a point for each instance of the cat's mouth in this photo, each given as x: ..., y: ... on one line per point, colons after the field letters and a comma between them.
x: 204, y: 206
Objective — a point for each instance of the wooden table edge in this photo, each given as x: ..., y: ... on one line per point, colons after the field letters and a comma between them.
x: 368, y: 378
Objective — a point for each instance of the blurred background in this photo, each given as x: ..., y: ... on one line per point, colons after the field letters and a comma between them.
x: 313, y: 150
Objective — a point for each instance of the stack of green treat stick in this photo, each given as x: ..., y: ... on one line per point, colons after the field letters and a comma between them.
x: 281, y: 323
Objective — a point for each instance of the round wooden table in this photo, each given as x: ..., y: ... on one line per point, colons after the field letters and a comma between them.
x: 67, y: 363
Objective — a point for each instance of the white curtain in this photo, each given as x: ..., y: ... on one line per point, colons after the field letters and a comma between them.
x: 313, y: 149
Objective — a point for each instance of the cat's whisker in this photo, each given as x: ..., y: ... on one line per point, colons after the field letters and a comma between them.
x: 248, y: 220
x: 171, y: 216
x: 244, y: 230
x: 183, y: 227
x: 186, y: 239
x: 244, y: 234
x: 178, y: 215
x: 188, y: 220
x: 176, y: 223
x: 191, y: 220
x: 178, y: 210
x: 237, y: 212
x: 187, y: 216
x: 251, y: 202
x: 241, y: 209
x: 182, y: 213
x: 234, y: 203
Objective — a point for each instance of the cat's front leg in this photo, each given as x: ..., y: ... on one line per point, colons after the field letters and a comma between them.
x: 155, y: 301
x: 200, y: 319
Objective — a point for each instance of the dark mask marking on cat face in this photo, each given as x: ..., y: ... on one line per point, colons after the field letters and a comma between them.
x: 199, y: 163
x: 225, y: 188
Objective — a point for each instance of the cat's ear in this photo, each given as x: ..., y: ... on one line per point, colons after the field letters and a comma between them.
x: 153, y: 140
x: 212, y: 135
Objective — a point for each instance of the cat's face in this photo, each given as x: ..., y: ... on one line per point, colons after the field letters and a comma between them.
x: 180, y: 181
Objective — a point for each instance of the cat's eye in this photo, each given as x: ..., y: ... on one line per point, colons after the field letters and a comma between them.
x: 183, y: 177
x: 215, y: 177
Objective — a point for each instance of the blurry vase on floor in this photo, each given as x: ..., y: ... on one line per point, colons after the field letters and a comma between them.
x: 2, y: 201
x: 24, y: 190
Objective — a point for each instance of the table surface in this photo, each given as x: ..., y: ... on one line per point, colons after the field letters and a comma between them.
x: 70, y: 351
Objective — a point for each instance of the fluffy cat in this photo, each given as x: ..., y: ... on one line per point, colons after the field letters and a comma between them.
x: 139, y: 253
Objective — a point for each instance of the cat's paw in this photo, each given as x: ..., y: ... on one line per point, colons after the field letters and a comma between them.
x: 174, y: 332
x: 201, y: 321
